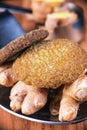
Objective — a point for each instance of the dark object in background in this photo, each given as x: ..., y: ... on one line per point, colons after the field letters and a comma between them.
x: 12, y: 8
x: 10, y: 29
x: 85, y: 1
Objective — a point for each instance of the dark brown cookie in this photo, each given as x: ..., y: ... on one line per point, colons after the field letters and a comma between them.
x: 21, y: 43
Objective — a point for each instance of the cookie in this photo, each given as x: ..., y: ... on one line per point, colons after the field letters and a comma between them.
x: 50, y: 63
x: 17, y: 45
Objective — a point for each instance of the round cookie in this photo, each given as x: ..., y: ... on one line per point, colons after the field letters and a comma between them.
x: 50, y: 63
x: 21, y: 43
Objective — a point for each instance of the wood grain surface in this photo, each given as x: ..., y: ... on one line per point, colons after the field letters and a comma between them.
x: 10, y: 122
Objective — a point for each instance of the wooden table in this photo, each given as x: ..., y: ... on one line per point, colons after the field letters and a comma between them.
x: 10, y: 122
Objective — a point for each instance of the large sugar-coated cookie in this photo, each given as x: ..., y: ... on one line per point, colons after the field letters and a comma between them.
x: 21, y: 43
x: 50, y: 63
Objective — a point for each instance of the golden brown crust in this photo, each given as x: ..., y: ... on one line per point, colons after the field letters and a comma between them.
x: 50, y: 63
x: 21, y: 43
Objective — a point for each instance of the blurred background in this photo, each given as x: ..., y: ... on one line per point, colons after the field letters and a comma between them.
x: 24, y: 19
x: 62, y: 23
